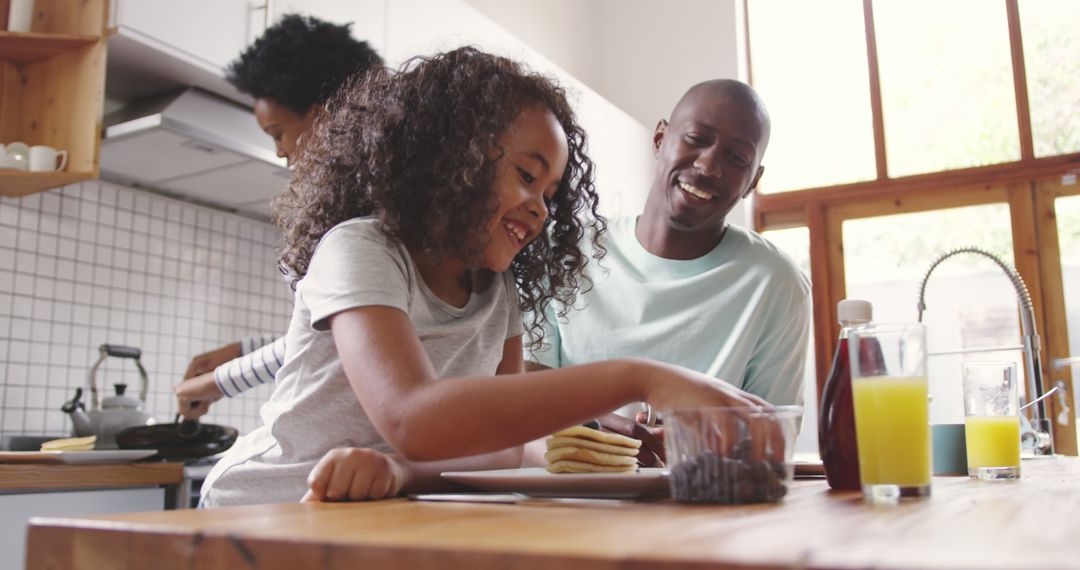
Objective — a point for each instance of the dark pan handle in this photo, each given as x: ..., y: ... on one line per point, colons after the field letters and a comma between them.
x: 121, y: 351
x: 187, y: 429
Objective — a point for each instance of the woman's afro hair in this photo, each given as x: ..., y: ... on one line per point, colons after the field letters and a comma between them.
x: 300, y: 61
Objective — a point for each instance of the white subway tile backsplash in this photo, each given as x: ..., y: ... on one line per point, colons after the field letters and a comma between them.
x: 21, y: 305
x: 50, y: 202
x: 105, y: 193
x: 27, y: 241
x: 7, y: 259
x: 9, y: 215
x: 42, y: 309
x: 12, y: 423
x: 45, y: 267
x: 41, y: 331
x: 25, y: 261
x: 125, y: 199
x: 20, y: 328
x: 94, y: 263
x: 48, y: 245
x: 8, y: 237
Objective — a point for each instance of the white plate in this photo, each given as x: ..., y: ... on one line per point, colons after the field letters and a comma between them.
x: 76, y: 457
x: 537, y: 482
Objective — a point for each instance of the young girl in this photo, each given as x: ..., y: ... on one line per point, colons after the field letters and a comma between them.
x: 429, y: 208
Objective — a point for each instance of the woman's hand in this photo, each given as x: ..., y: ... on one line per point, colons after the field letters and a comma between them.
x: 354, y: 474
x: 208, y: 361
x: 194, y: 395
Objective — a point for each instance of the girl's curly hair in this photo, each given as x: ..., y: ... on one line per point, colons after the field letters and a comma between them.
x: 414, y: 148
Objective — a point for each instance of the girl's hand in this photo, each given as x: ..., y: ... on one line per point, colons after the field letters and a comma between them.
x: 354, y: 474
x: 669, y: 386
x: 676, y: 387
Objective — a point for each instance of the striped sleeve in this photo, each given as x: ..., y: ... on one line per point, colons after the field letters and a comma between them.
x: 253, y: 369
x: 252, y: 343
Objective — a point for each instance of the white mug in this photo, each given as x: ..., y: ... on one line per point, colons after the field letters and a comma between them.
x: 43, y: 159
x: 20, y: 15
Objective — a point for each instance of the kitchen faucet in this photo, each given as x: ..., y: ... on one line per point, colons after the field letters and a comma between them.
x: 1027, y: 326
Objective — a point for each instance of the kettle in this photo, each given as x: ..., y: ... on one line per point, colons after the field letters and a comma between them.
x: 116, y: 412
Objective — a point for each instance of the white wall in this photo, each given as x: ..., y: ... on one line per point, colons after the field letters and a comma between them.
x: 564, y: 31
x: 639, y: 55
x: 618, y: 144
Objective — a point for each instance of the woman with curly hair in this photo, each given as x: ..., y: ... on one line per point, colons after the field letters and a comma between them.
x: 429, y: 208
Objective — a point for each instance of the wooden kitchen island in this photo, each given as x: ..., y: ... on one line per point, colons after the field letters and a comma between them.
x: 1030, y: 523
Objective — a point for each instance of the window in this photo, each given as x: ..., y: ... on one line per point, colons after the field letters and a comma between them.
x: 1051, y: 48
x: 1068, y: 225
x: 946, y: 85
x: 817, y: 94
x: 971, y: 305
x: 903, y: 128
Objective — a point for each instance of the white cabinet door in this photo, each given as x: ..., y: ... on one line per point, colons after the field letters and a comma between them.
x: 209, y: 33
x: 368, y: 17
x: 17, y: 508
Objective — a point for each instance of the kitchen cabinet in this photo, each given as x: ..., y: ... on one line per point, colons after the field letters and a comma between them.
x: 19, y: 508
x: 205, y: 33
x: 52, y: 88
x: 28, y: 490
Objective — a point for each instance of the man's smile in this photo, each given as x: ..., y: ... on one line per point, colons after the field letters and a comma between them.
x: 695, y: 191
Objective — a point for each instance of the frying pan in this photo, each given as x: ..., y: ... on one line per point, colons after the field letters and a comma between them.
x: 186, y: 439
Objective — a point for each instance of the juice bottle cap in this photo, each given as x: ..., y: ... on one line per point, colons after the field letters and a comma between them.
x: 854, y: 310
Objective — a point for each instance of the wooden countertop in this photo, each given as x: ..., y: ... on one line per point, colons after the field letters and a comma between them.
x: 1030, y: 523
x: 40, y: 477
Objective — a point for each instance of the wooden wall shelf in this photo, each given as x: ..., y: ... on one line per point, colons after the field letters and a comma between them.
x: 19, y: 48
x: 52, y: 89
x: 19, y: 183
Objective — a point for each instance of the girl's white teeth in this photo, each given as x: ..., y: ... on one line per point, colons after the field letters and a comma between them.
x: 694, y: 191
x: 515, y: 231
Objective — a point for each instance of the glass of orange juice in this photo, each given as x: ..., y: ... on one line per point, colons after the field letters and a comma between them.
x: 991, y: 420
x: 892, y: 423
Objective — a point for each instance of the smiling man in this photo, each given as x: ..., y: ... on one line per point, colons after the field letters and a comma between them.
x: 682, y: 285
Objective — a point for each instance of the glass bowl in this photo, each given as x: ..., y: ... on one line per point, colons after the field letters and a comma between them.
x: 731, y: 455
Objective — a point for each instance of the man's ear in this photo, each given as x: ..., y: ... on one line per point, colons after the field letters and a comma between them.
x: 658, y: 135
x: 754, y: 183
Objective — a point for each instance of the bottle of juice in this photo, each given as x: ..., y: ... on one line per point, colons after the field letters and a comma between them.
x: 836, y: 416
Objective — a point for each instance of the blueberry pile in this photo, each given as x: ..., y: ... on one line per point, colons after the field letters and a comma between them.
x: 712, y: 478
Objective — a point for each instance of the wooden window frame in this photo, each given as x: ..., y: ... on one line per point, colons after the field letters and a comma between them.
x: 1029, y: 186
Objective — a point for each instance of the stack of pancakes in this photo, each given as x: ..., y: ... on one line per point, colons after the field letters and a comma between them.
x: 70, y: 444
x: 585, y: 450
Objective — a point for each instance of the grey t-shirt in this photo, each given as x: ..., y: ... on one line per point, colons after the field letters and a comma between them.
x: 313, y: 409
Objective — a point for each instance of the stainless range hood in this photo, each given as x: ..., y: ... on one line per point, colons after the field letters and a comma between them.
x: 197, y: 146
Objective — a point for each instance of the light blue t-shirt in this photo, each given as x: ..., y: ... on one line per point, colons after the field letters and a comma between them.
x: 739, y: 313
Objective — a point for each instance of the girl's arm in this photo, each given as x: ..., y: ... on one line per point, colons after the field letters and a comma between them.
x: 429, y: 419
x: 424, y: 476
x: 360, y: 474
